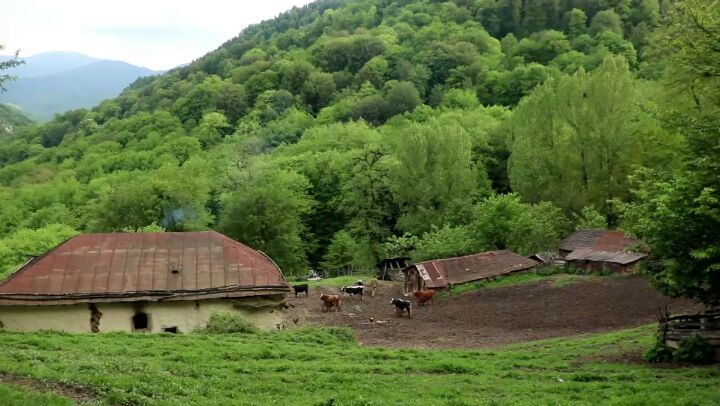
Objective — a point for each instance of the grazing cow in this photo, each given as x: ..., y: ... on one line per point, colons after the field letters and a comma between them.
x: 424, y: 296
x: 330, y: 301
x: 373, y: 285
x: 301, y: 288
x: 354, y: 290
x: 401, y: 306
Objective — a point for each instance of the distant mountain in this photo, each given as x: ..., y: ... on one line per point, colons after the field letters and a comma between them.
x: 11, y: 118
x: 48, y: 63
x: 60, y: 81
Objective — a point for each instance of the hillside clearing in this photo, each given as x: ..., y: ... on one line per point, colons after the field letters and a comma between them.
x: 491, y: 316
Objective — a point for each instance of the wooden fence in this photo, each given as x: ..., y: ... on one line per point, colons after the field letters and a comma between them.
x: 675, y: 329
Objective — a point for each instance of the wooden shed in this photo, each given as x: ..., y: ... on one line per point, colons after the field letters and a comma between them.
x: 443, y: 273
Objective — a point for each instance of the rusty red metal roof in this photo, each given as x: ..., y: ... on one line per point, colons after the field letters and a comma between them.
x: 143, y: 266
x: 441, y: 272
x: 599, y: 240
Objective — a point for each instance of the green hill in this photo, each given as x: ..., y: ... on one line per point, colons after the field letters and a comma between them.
x: 344, y: 131
x: 56, y: 82
x: 11, y: 119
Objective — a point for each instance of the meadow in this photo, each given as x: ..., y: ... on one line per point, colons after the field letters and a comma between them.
x: 325, y: 366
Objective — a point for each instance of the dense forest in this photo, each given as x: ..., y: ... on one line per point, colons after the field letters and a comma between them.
x: 347, y: 131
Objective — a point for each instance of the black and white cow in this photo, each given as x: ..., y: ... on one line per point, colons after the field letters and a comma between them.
x: 401, y: 306
x: 354, y: 290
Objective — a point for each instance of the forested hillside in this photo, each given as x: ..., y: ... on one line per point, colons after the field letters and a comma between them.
x: 11, y: 119
x: 54, y: 82
x: 346, y: 131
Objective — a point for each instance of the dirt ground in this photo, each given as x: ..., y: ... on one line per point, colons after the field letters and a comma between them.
x: 493, y: 316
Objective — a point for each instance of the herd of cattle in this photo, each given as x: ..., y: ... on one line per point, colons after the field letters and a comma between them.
x: 330, y: 302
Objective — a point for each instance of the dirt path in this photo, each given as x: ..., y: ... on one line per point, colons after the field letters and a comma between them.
x: 491, y: 317
x: 77, y: 394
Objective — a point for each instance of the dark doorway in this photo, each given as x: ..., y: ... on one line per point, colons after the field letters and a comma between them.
x: 140, y: 321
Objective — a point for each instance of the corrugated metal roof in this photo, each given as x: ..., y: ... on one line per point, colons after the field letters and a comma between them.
x: 618, y: 257
x: 599, y: 240
x: 472, y: 267
x: 143, y: 266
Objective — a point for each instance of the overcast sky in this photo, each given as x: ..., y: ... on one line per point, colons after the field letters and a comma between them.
x: 157, y: 34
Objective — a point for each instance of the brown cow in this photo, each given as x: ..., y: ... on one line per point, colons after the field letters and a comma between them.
x: 330, y: 301
x: 424, y: 296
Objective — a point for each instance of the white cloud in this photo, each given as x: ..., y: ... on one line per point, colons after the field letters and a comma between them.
x: 156, y: 34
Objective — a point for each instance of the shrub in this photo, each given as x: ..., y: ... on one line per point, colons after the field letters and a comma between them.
x: 226, y: 322
x: 551, y: 270
x: 659, y: 352
x: 695, y: 350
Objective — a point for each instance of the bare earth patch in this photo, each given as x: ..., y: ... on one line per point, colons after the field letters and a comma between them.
x: 77, y: 394
x: 496, y: 316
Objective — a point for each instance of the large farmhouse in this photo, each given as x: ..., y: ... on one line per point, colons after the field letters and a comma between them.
x: 443, y: 273
x: 142, y: 282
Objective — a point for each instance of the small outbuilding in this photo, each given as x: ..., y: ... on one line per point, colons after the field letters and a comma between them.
x: 601, y: 250
x: 391, y: 269
x: 150, y: 282
x: 596, y: 261
x: 596, y: 239
x: 443, y: 273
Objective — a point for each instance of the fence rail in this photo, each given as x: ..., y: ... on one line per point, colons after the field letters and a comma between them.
x: 675, y: 329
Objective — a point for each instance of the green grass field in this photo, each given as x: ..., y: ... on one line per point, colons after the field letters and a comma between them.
x: 341, y: 281
x: 315, y: 366
x: 12, y: 395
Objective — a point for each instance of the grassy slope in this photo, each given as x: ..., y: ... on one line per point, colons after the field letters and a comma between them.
x: 11, y: 395
x: 313, y: 366
x: 340, y: 280
x: 557, y: 278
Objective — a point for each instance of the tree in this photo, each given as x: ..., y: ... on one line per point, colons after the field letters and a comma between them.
x: 606, y: 20
x: 213, y: 127
x: 440, y: 155
x: 266, y: 211
x: 401, y: 97
x: 15, y: 248
x: 678, y: 212
x: 575, y: 140
x: 8, y: 64
x: 577, y: 23
x: 318, y: 90
x: 590, y: 218
x: 504, y: 222
x: 341, y: 253
x: 444, y: 242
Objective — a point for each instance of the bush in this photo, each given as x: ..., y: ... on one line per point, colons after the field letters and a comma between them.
x: 695, y: 350
x: 551, y: 270
x: 658, y: 352
x: 226, y: 323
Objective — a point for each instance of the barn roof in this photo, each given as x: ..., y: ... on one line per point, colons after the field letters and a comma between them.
x: 618, y: 257
x: 599, y: 240
x: 441, y: 272
x: 143, y: 266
